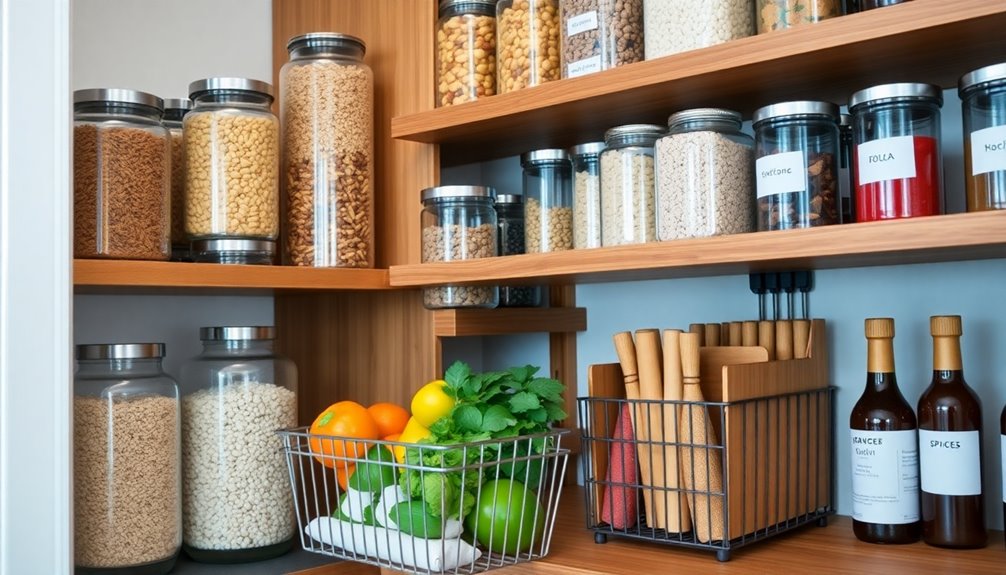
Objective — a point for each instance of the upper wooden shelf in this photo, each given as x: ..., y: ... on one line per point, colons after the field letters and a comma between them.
x: 925, y: 40
x: 501, y: 321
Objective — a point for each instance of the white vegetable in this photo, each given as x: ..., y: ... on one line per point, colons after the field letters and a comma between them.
x: 354, y: 503
x: 391, y: 496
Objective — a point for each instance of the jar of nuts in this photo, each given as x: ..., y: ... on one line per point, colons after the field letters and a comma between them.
x: 587, y: 194
x: 231, y: 161
x: 796, y: 165
x: 527, y: 43
x: 510, y: 216
x: 781, y: 14
x: 628, y: 212
x: 459, y: 223
x: 600, y: 34
x: 174, y: 112
x: 548, y: 201
x: 674, y: 26
x: 327, y: 119
x: 466, y: 51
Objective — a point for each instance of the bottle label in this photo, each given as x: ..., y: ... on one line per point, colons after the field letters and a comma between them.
x: 885, y: 476
x: 951, y: 462
x: 885, y: 159
x: 585, y: 66
x: 1002, y: 449
x: 988, y: 150
x: 781, y: 174
x: 581, y: 23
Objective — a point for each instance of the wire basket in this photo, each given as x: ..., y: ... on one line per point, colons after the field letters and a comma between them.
x: 416, y: 507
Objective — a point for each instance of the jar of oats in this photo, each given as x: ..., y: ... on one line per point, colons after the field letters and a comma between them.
x: 174, y: 112
x: 587, y: 194
x: 126, y: 461
x: 548, y: 201
x: 675, y: 26
x: 327, y: 119
x: 628, y: 212
x: 466, y: 51
x: 527, y: 44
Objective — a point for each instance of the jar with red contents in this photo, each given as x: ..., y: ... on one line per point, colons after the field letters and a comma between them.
x: 897, y: 162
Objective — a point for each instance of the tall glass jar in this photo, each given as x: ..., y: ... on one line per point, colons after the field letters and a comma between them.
x: 898, y: 166
x: 704, y: 168
x: 174, y: 112
x: 510, y: 216
x: 600, y: 34
x: 466, y: 51
x: 127, y: 492
x: 238, y: 505
x: 327, y: 119
x: 548, y: 201
x: 871, y: 4
x: 121, y: 176
x: 846, y: 177
x: 527, y: 43
x: 587, y: 194
x: 459, y: 223
x: 628, y: 214
x: 231, y: 161
x: 674, y: 26
x: 782, y: 14
x: 983, y: 99
x: 796, y: 165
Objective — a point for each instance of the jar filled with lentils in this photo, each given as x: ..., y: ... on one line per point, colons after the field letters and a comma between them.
x: 466, y: 51
x: 121, y: 176
x: 548, y: 201
x: 327, y: 119
x: 628, y: 212
x: 174, y: 111
x: 782, y: 14
x: 527, y: 43
x: 587, y: 194
x: 510, y: 217
x: 674, y: 26
x: 600, y: 34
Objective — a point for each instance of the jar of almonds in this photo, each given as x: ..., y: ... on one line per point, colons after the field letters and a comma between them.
x: 466, y: 51
x: 527, y: 45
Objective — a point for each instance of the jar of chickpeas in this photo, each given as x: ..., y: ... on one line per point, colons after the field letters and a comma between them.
x: 466, y: 51
x: 527, y: 44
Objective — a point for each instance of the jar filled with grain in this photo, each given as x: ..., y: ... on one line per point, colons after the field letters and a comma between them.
x: 983, y: 100
x: 127, y: 494
x: 628, y: 212
x: 527, y: 43
x: 600, y: 34
x: 231, y: 161
x: 459, y: 223
x: 586, y: 160
x: 327, y: 119
x: 466, y: 51
x: 121, y: 176
x: 548, y: 201
x: 796, y: 165
x: 871, y: 4
x: 782, y: 14
x: 510, y: 216
x: 675, y: 26
x: 243, y: 251
x: 704, y: 168
x: 237, y: 498
x: 174, y: 112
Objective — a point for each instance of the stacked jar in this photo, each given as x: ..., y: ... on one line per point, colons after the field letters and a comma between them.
x: 846, y: 176
x: 983, y: 98
x: 628, y: 212
x: 174, y: 112
x: 548, y: 201
x: 527, y: 44
x: 510, y: 216
x: 600, y: 34
x: 466, y: 51
x: 327, y: 119
x: 871, y: 4
x: 782, y: 14
x: 587, y: 194
x: 121, y: 176
x: 674, y: 26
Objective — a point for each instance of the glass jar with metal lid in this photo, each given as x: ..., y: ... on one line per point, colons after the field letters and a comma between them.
x: 675, y: 26
x: 796, y: 165
x: 548, y: 201
x: 510, y: 216
x: 628, y: 213
x: 704, y: 168
x: 782, y: 14
x: 871, y: 4
x: 459, y: 223
x: 587, y: 194
x: 527, y: 43
x: 174, y: 112
x: 846, y: 178
x: 983, y: 99
x: 327, y: 119
x: 121, y: 176
x: 244, y: 251
x: 466, y: 51
x: 600, y: 34
x: 898, y: 166
x: 126, y: 461
x: 237, y: 501
x: 231, y: 161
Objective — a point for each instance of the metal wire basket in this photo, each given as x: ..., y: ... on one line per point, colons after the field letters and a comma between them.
x: 416, y: 507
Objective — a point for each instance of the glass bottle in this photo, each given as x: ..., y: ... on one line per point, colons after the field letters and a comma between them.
x: 628, y: 213
x: 527, y: 43
x: 600, y: 34
x: 548, y: 201
x: 782, y: 14
x: 983, y: 100
x: 885, y: 451
x: 466, y: 51
x: 174, y: 112
x: 510, y: 215
x: 587, y: 194
x: 950, y: 441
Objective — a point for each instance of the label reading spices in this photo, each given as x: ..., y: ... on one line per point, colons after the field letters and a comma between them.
x: 583, y: 67
x: 950, y: 462
x: 781, y: 174
x: 988, y: 150
x: 886, y: 159
x: 582, y: 23
x: 885, y: 477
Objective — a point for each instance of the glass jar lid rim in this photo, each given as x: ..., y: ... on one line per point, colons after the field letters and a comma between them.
x: 635, y: 130
x: 177, y: 104
x: 509, y: 199
x: 234, y: 245
x: 456, y: 191
x: 120, y: 351
x: 587, y: 148
x: 693, y: 114
x: 445, y: 4
x: 117, y: 96
x: 325, y: 39
x: 796, y: 108
x: 545, y: 155
x: 993, y: 73
x: 844, y: 119
x: 206, y: 85
x: 894, y: 91
x: 238, y: 333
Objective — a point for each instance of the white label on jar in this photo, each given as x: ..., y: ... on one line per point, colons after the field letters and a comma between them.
x: 885, y: 476
x: 781, y: 174
x: 988, y: 150
x: 950, y: 462
x: 886, y: 159
x: 583, y: 67
x: 1002, y: 459
x: 581, y: 23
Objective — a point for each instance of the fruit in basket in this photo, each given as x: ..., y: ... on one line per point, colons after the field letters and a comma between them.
x: 345, y: 419
x: 507, y: 518
x: 389, y: 417
x: 414, y: 432
x: 431, y: 403
x: 412, y: 518
x: 375, y: 472
x: 342, y: 474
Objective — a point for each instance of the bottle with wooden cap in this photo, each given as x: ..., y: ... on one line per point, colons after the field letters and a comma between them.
x: 885, y: 453
x: 950, y: 440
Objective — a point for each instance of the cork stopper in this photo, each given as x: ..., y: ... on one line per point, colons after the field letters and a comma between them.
x: 879, y: 327
x: 945, y: 326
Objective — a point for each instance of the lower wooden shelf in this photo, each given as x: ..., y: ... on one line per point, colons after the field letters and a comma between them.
x: 501, y: 321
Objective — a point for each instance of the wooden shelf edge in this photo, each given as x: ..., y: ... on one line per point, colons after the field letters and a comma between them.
x: 478, y: 322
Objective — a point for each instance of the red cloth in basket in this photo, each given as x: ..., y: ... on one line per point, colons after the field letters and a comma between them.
x: 619, y: 505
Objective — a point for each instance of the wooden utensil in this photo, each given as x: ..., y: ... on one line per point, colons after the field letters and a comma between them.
x: 749, y: 333
x: 801, y: 338
x: 678, y: 518
x: 712, y: 334
x: 736, y: 333
x: 626, y: 350
x: 651, y: 387
x: 699, y: 328
x: 766, y: 337
x: 783, y: 339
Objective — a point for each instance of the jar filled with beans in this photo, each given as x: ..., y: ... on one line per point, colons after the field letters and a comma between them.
x: 466, y: 51
x: 628, y: 213
x: 174, y: 112
x: 600, y: 34
x: 548, y: 201
x: 527, y: 44
x: 674, y: 26
x: 781, y: 14
x: 510, y: 216
x: 587, y: 194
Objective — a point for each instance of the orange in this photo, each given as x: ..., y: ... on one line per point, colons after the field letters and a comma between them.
x: 345, y: 419
x: 342, y: 474
x: 392, y: 437
x: 390, y: 418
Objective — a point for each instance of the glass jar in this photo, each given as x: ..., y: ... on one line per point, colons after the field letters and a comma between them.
x: 510, y: 215
x: 174, y: 111
x: 846, y: 178
x: 126, y: 462
x: 466, y: 51
x: 674, y: 26
x: 983, y: 99
x: 600, y: 34
x: 234, y: 251
x: 628, y: 213
x: 527, y: 43
x: 237, y: 501
x: 327, y: 119
x: 548, y: 201
x: 871, y: 4
x: 587, y: 194
x: 459, y: 223
x: 121, y: 176
x: 782, y: 14
x: 704, y: 168
x: 796, y: 165
x: 231, y: 161
x: 899, y: 172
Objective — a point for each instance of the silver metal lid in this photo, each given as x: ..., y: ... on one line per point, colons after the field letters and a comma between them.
x: 509, y: 199
x: 904, y: 90
x: 120, y: 351
x: 475, y: 4
x: 974, y: 78
x: 200, y: 87
x: 118, y: 96
x: 234, y: 245
x: 438, y: 192
x: 546, y: 155
x: 633, y: 134
x: 845, y: 120
x: 588, y: 149
x: 335, y: 40
x: 721, y: 114
x: 177, y: 104
x: 229, y: 333
x: 797, y: 108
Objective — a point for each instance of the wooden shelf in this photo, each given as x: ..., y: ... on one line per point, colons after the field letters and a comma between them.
x: 924, y: 40
x: 468, y: 322
x: 917, y: 240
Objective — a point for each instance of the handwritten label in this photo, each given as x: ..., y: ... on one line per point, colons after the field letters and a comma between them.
x: 583, y: 67
x: 581, y: 23
x: 886, y: 159
x: 781, y: 174
x: 988, y: 150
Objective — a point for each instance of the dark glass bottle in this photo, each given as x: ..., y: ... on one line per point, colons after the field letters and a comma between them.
x: 950, y: 423
x: 885, y: 456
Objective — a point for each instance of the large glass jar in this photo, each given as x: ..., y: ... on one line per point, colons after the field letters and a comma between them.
x: 121, y: 176
x: 548, y: 201
x: 674, y: 26
x: 983, y: 99
x: 782, y: 14
x: 600, y: 34
x: 237, y: 501
x: 871, y: 4
x: 174, y: 112
x: 327, y: 119
x: 628, y: 213
x: 704, y: 168
x: 846, y: 177
x: 510, y: 216
x: 527, y: 43
x: 898, y: 166
x: 127, y: 495
x: 587, y: 194
x: 459, y: 223
x: 466, y: 51
x: 796, y: 165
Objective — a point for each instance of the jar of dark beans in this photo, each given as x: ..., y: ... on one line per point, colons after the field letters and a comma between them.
x: 510, y: 218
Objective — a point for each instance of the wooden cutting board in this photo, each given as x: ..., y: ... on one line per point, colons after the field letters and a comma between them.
x: 603, y: 381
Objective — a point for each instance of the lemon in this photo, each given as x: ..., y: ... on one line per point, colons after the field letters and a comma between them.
x: 414, y: 432
x: 431, y: 403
